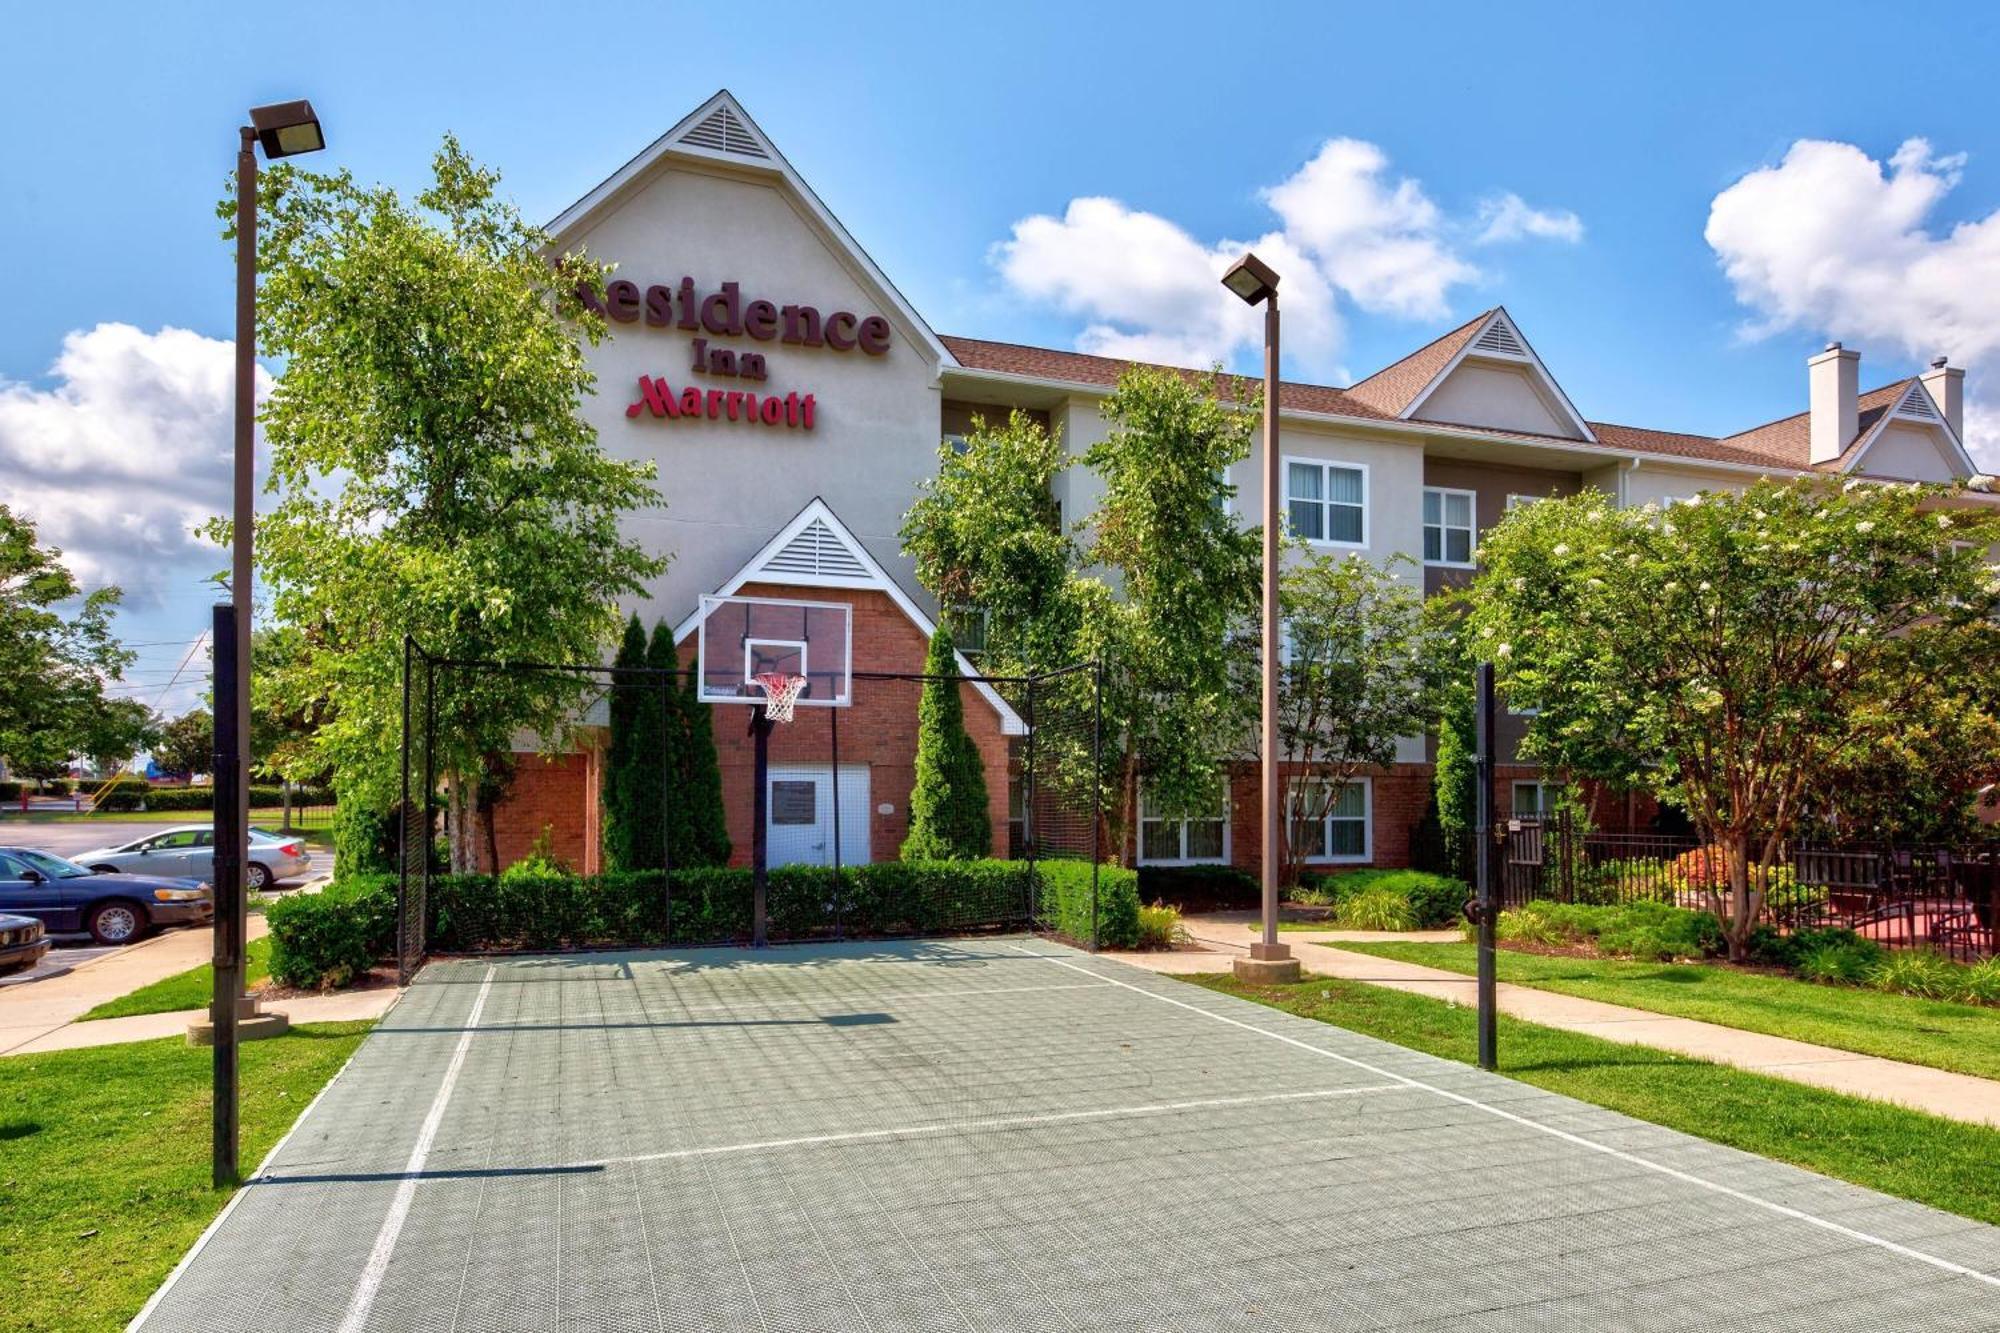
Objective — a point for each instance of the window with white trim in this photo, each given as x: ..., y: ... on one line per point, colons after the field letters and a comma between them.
x: 1344, y: 833
x: 1523, y: 501
x: 1534, y: 800
x: 968, y: 626
x: 1202, y: 837
x: 1449, y: 526
x: 1327, y: 503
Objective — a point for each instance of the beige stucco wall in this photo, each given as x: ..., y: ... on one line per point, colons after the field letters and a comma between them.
x: 1907, y: 453
x: 729, y: 485
x: 1656, y: 483
x: 1495, y: 396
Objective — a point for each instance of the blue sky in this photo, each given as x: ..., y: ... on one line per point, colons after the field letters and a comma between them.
x: 941, y: 134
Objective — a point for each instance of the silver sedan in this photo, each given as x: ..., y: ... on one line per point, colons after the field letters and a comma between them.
x: 188, y: 852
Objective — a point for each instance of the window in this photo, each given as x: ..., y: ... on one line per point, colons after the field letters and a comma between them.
x: 968, y: 626
x: 1534, y: 800
x: 1344, y: 832
x: 1164, y: 841
x: 1327, y: 503
x: 958, y: 442
x: 1448, y: 526
x: 1522, y: 501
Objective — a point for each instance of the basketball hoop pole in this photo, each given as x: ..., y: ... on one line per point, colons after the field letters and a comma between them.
x: 760, y: 728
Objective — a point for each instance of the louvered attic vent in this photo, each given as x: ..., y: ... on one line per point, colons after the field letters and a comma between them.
x: 1500, y: 339
x: 722, y: 132
x: 817, y: 552
x: 1918, y: 405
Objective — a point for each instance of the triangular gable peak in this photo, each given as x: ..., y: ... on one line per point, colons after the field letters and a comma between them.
x: 1912, y: 441
x: 817, y: 550
x: 721, y: 132
x: 1496, y: 380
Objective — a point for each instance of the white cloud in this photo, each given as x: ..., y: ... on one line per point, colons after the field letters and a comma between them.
x: 1833, y: 241
x: 1348, y: 230
x: 124, y: 453
x: 1509, y: 217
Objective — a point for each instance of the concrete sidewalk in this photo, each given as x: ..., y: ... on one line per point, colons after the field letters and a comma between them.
x: 31, y: 1012
x: 1918, y: 1087
x: 339, y: 1007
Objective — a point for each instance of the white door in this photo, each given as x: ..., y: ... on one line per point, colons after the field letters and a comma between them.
x: 800, y: 814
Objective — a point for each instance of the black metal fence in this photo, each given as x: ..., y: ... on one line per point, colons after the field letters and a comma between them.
x: 1942, y: 898
x: 835, y: 792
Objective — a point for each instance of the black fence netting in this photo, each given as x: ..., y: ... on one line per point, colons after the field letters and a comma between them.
x: 632, y: 814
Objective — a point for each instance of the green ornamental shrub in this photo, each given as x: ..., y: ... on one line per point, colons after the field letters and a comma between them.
x: 632, y: 758
x: 1375, y: 909
x: 1918, y: 972
x: 1160, y: 926
x: 948, y: 816
x: 698, y: 831
x: 328, y: 939
x: 1211, y: 886
x: 1836, y: 963
x: 10, y: 790
x: 364, y: 839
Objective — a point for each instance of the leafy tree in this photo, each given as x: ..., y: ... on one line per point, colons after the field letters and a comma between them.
x: 285, y: 713
x: 187, y: 744
x: 55, y: 663
x: 986, y: 533
x: 1359, y: 673
x: 948, y: 816
x: 696, y: 824
x: 1736, y: 654
x: 434, y: 477
x: 1172, y: 585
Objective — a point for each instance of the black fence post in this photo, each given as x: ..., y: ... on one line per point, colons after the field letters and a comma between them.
x: 227, y: 961
x: 760, y: 729
x: 403, y: 838
x: 1097, y: 790
x: 839, y: 887
x: 1028, y: 813
x: 1483, y: 864
x: 420, y: 924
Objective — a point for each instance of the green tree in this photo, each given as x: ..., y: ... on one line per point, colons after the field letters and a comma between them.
x: 631, y: 756
x: 187, y: 744
x: 57, y: 652
x: 696, y: 825
x: 433, y: 475
x: 948, y: 816
x: 1735, y: 654
x: 1170, y: 589
x: 1360, y: 671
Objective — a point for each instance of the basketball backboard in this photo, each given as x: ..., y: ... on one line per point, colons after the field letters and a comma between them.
x: 741, y: 638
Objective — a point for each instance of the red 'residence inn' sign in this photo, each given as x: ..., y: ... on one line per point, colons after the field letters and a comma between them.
x: 725, y: 314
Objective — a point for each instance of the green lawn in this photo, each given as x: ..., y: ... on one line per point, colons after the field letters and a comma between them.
x: 270, y: 818
x: 1943, y: 1163
x: 104, y: 1164
x: 1960, y: 1037
x: 184, y: 990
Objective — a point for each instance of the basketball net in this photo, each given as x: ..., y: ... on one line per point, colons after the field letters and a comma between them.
x: 780, y: 693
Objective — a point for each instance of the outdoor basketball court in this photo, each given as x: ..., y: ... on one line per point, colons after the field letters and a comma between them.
x: 1003, y: 1134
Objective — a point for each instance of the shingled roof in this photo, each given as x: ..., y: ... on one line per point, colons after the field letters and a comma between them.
x: 1383, y: 396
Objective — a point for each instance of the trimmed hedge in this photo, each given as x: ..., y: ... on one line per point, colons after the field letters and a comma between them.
x: 164, y: 799
x: 328, y: 938
x: 1199, y: 888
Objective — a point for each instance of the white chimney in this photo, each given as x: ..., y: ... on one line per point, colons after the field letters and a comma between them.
x: 1834, y: 384
x: 1946, y: 386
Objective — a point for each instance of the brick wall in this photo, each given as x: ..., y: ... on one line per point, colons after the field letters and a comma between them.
x: 560, y: 793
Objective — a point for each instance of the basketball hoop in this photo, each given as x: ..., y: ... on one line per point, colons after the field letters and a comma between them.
x: 780, y: 692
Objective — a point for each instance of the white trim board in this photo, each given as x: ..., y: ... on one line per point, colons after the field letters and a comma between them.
x: 873, y: 577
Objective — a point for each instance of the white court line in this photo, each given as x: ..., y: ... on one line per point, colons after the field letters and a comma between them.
x: 833, y: 1001
x: 963, y: 1126
x: 1933, y: 1260
x: 399, y: 1208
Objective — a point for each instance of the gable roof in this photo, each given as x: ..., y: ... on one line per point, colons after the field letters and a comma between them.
x: 1498, y: 339
x: 1392, y: 389
x: 721, y: 131
x: 816, y: 550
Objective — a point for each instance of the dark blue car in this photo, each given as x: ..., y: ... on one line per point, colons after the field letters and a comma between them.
x: 115, y: 909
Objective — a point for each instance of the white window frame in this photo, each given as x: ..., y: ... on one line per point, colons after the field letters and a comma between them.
x: 1367, y: 855
x: 1285, y: 477
x: 1444, y: 528
x: 1542, y: 788
x: 957, y: 615
x: 1184, y: 859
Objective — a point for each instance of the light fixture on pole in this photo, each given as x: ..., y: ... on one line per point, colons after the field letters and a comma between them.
x: 284, y: 129
x: 1255, y: 282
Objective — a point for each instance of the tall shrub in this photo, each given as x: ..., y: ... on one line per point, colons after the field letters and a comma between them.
x: 623, y: 757
x: 948, y: 819
x: 696, y: 826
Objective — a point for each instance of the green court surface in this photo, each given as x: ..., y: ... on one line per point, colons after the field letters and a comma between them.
x: 1004, y: 1134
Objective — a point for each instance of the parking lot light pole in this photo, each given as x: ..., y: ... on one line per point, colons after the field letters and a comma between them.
x: 282, y: 129
x: 1255, y: 282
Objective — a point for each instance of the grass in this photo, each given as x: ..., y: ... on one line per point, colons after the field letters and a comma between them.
x: 266, y: 818
x: 104, y: 1164
x: 184, y: 990
x: 1963, y: 1038
x: 1943, y: 1163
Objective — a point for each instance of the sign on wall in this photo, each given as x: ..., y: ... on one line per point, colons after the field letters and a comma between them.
x: 724, y: 313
